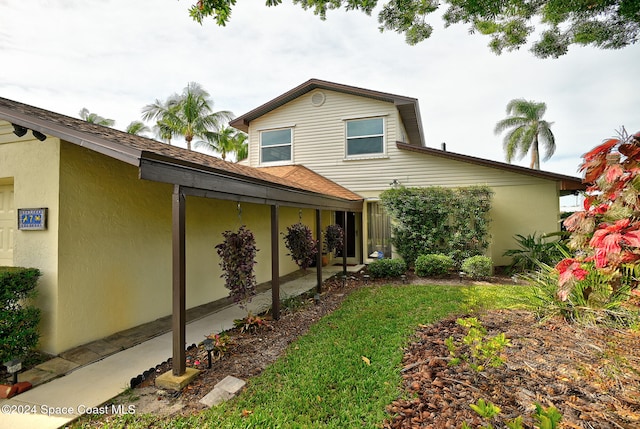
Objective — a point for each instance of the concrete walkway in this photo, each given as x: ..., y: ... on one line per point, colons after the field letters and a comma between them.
x: 83, y: 388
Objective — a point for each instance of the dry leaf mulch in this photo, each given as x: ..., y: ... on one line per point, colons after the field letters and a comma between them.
x: 590, y: 374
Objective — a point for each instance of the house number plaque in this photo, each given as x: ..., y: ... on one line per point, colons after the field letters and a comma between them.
x: 32, y: 219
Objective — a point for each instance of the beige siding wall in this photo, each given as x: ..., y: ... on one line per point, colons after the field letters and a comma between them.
x: 319, y: 132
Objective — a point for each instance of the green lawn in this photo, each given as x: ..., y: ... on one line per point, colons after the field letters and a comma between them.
x: 323, y: 380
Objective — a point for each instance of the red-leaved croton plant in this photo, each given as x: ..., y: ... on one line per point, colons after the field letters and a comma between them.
x: 606, y: 235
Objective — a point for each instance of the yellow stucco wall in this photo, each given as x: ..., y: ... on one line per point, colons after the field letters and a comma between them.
x: 31, y: 167
x: 106, y: 255
x: 523, y: 210
x: 115, y: 246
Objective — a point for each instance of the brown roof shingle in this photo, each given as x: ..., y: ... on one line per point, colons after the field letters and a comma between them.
x: 311, y: 180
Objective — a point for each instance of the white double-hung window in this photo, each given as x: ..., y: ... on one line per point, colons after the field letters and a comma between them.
x: 275, y: 145
x: 365, y: 137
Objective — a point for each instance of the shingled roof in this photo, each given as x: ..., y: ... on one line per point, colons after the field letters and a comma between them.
x: 311, y: 180
x: 144, y: 152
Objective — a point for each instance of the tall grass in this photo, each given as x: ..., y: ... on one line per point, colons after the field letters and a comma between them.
x: 345, y: 370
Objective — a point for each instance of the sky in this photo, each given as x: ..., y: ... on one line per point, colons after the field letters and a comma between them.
x: 116, y: 56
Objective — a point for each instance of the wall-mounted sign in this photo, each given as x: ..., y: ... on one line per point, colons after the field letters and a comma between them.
x: 32, y: 219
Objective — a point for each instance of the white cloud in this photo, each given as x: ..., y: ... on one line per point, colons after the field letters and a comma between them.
x: 115, y: 56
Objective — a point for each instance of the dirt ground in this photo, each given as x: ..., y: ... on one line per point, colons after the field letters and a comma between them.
x: 592, y: 375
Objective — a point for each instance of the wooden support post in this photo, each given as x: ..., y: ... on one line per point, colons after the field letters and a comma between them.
x: 275, y: 263
x: 179, y: 276
x: 319, y: 248
x: 344, y: 246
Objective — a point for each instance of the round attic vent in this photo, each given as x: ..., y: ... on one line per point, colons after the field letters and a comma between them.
x: 317, y: 99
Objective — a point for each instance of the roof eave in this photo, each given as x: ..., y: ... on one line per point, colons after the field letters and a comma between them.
x: 211, y: 182
x: 95, y: 143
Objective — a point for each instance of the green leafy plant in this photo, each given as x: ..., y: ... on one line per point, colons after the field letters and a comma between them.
x: 333, y: 238
x: 485, y: 409
x: 587, y: 300
x: 478, y: 267
x: 18, y: 318
x: 250, y: 323
x: 433, y: 220
x: 433, y: 265
x: 237, y: 258
x: 533, y: 249
x: 387, y: 268
x: 481, y: 350
x: 547, y: 418
x: 302, y: 247
x: 515, y: 423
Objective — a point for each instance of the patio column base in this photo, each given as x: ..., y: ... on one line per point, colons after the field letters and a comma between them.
x: 176, y: 382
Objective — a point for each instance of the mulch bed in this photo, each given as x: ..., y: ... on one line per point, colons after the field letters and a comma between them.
x: 590, y: 374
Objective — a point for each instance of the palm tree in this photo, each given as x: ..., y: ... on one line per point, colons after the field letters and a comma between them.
x: 188, y: 114
x: 94, y: 118
x: 224, y: 141
x: 162, y: 112
x: 526, y: 130
x: 137, y: 128
x: 242, y: 150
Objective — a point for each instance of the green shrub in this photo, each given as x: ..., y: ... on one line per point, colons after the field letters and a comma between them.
x: 433, y: 265
x: 453, y: 222
x: 478, y: 267
x: 18, y: 320
x: 387, y: 268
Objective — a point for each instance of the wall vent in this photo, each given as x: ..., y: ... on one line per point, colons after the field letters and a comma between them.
x: 317, y: 99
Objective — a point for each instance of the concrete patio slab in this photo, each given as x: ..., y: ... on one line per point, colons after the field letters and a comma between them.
x: 231, y: 384
x: 58, y: 365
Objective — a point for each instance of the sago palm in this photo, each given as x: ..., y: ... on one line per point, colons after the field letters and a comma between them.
x: 526, y: 131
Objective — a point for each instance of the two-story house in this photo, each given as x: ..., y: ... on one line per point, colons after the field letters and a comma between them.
x: 131, y: 223
x: 369, y: 141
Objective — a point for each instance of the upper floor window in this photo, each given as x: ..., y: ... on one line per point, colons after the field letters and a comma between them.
x: 365, y: 137
x: 275, y: 145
